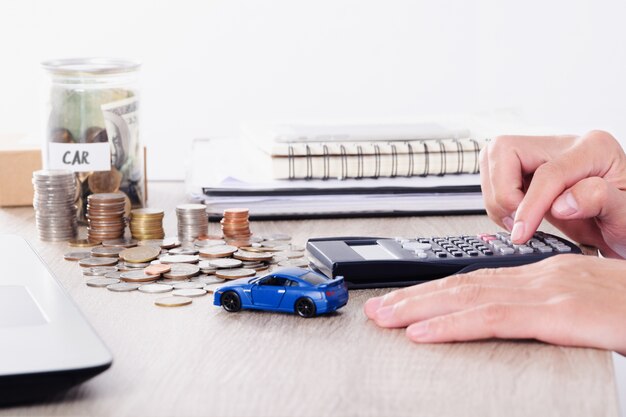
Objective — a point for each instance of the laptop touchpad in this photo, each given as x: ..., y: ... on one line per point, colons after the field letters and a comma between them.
x: 18, y: 308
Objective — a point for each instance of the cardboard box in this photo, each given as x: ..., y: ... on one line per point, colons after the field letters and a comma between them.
x: 18, y: 159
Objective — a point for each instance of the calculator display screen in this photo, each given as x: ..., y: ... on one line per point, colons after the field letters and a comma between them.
x: 373, y: 252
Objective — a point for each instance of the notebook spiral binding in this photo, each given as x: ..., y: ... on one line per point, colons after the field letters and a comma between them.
x: 443, y: 154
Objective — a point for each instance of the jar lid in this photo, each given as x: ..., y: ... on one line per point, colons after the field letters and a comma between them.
x: 92, y: 66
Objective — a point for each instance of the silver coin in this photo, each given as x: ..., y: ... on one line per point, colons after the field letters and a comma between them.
x: 222, y: 263
x: 76, y: 256
x: 123, y: 243
x: 206, y: 243
x: 113, y: 275
x: 101, y: 282
x: 180, y: 271
x: 187, y: 285
x: 99, y: 271
x: 173, y: 259
x: 208, y: 279
x: 189, y: 292
x: 171, y: 281
x: 299, y: 263
x: 123, y: 287
x: 155, y: 288
x: 106, y: 251
x: 220, y: 251
x: 135, y: 265
x: 169, y: 243
x: 252, y: 256
x: 291, y: 254
x: 235, y: 273
x: 277, y: 236
x: 137, y: 276
x: 183, y: 251
x: 92, y: 261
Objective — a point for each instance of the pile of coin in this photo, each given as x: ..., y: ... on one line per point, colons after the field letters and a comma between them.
x: 236, y: 226
x: 54, y: 203
x: 105, y: 216
x: 193, y: 221
x: 185, y: 271
x: 147, y: 224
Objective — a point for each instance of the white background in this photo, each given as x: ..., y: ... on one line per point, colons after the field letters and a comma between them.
x: 210, y: 64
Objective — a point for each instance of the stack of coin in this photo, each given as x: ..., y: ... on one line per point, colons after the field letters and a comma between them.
x: 236, y: 226
x: 54, y: 203
x: 105, y: 216
x: 193, y: 221
x: 147, y: 224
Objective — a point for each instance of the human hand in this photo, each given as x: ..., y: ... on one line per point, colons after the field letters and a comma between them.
x: 570, y: 300
x: 576, y: 183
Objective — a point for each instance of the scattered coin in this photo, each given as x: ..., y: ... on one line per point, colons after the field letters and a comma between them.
x: 113, y: 275
x: 76, y: 256
x: 99, y: 271
x: 170, y: 243
x: 235, y: 273
x: 223, y: 263
x: 137, y: 276
x: 101, y: 282
x: 221, y: 251
x: 205, y: 243
x: 182, y: 271
x: 252, y: 256
x: 140, y: 254
x: 277, y: 236
x: 157, y: 269
x: 208, y: 279
x: 123, y: 287
x: 183, y: 251
x: 174, y: 301
x: 187, y: 285
x: 155, y: 288
x: 189, y: 292
x: 106, y: 251
x: 122, y: 243
x: 134, y: 265
x: 170, y: 282
x: 292, y: 254
x: 299, y: 263
x: 89, y: 262
x: 174, y: 259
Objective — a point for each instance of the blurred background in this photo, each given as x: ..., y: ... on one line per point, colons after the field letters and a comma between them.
x: 209, y: 65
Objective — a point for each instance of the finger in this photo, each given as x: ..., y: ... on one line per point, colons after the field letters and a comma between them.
x: 439, y: 303
x: 591, y: 197
x: 499, y: 320
x: 510, y: 158
x: 486, y: 189
x: 553, y: 177
x: 507, y: 277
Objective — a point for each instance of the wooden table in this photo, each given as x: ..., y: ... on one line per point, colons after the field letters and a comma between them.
x: 201, y: 360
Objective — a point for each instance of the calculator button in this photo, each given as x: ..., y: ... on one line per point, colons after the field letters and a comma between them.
x: 416, y: 246
x: 563, y: 248
x: 421, y: 255
x: 487, y: 252
x: 457, y: 254
x: 523, y: 249
x: 472, y: 253
x: 544, y: 249
x: 505, y: 250
x: 442, y: 255
x: 422, y: 240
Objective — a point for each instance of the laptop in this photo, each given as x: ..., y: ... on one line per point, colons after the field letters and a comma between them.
x: 46, y: 345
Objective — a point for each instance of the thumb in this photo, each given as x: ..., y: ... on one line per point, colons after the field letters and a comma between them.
x: 591, y: 197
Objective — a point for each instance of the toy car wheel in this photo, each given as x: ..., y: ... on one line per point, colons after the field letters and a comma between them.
x: 305, y: 307
x: 231, y: 301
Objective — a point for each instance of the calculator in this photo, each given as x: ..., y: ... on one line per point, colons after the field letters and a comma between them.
x: 374, y: 262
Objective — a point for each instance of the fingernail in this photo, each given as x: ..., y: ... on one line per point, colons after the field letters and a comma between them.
x: 566, y: 204
x: 384, y: 313
x: 508, y: 222
x: 418, y: 330
x: 372, y: 305
x: 517, y: 232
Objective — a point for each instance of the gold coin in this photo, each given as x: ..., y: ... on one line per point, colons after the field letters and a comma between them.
x: 140, y: 254
x: 174, y: 301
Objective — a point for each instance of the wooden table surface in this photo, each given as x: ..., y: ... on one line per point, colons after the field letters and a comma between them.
x: 201, y: 360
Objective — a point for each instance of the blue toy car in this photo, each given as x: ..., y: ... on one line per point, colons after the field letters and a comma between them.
x: 298, y: 290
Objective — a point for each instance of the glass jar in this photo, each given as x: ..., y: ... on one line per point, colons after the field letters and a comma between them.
x: 91, y: 126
